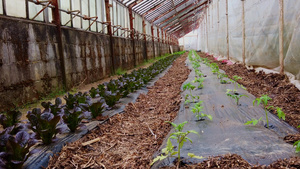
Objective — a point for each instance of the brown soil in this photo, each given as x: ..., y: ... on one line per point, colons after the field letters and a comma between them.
x: 129, y: 140
x: 229, y: 161
x: 284, y: 94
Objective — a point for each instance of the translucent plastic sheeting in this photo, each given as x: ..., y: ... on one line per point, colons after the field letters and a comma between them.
x: 261, y: 31
x: 64, y: 16
x: 1, y: 7
x: 226, y: 133
x: 76, y: 6
x: 15, y: 8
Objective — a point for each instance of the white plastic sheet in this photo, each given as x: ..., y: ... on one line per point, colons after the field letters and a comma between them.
x: 15, y: 8
x: 261, y: 29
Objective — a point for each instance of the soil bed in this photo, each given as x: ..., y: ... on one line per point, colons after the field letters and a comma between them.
x: 128, y: 140
x: 284, y: 94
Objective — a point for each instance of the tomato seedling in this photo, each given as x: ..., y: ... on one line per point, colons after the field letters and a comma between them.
x: 264, y: 100
x: 181, y: 138
x: 235, y: 95
x: 197, y: 109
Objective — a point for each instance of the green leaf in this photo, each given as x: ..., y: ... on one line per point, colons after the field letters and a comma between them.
x: 192, y: 155
x: 210, y: 117
x: 158, y: 158
x: 189, y: 139
x: 297, y: 145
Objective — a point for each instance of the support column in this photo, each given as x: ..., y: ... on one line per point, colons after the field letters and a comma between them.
x: 109, y: 31
x: 243, y: 32
x: 281, y: 40
x: 206, y: 26
x: 132, y: 35
x: 56, y: 20
x: 145, y: 39
x: 152, y: 33
x: 227, y: 30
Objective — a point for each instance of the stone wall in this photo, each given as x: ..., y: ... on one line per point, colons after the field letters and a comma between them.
x: 30, y: 65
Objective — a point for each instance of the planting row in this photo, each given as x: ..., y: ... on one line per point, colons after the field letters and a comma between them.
x: 18, y: 137
x: 197, y: 108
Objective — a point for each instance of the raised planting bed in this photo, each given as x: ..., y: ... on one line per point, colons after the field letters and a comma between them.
x: 223, y: 118
x: 58, y: 123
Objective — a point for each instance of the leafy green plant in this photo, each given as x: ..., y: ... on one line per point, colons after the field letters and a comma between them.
x: 181, y: 138
x: 214, y: 67
x: 236, y: 84
x: 189, y: 87
x: 44, y: 124
x: 221, y: 76
x: 15, y: 150
x: 197, y: 109
x: 55, y: 108
x: 297, y: 145
x: 280, y: 113
x: 120, y: 71
x: 10, y: 118
x: 73, y: 118
x: 198, y: 73
x: 94, y: 92
x: 199, y: 81
x: 264, y: 100
x: 97, y: 108
x: 253, y: 121
x: 235, y: 95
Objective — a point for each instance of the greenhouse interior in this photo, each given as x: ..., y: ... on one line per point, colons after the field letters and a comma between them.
x: 149, y: 84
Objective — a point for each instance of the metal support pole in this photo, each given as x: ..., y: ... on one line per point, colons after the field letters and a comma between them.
x: 281, y: 40
x: 108, y: 19
x: 132, y: 35
x: 4, y: 7
x: 56, y: 19
x: 243, y: 32
x: 27, y: 9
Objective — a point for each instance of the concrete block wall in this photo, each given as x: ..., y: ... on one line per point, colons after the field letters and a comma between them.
x: 30, y: 65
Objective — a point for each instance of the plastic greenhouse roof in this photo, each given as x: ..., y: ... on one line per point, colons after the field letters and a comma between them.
x: 176, y: 17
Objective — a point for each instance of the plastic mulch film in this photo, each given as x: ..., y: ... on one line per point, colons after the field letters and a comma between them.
x: 226, y: 133
x: 40, y: 159
x: 261, y: 31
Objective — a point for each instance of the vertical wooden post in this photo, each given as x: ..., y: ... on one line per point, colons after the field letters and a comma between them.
x: 109, y: 31
x: 145, y: 39
x: 281, y: 29
x: 56, y: 19
x: 227, y: 30
x: 243, y: 32
x: 158, y: 34
x: 132, y: 34
x: 152, y: 33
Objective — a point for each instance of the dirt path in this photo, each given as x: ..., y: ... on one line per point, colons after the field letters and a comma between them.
x: 128, y: 140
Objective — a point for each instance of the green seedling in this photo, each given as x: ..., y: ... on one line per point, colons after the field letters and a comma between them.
x: 199, y: 81
x: 253, y: 121
x: 214, y: 67
x: 235, y: 95
x: 196, y: 64
x: 181, y: 138
x: 264, y: 100
x: 279, y: 112
x: 236, y: 84
x: 297, y: 145
x: 197, y: 109
x: 221, y: 76
x: 198, y: 73
x: 189, y: 87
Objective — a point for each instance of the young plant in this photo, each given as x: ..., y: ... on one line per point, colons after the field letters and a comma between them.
x: 264, y: 100
x: 236, y: 85
x: 214, y: 67
x: 235, y: 95
x: 198, y: 73
x: 73, y: 118
x: 297, y: 145
x: 94, y: 92
x: 189, y: 87
x: 181, y: 138
x: 197, y: 109
x: 55, y: 109
x: 15, y: 150
x: 253, y: 121
x: 10, y: 118
x: 280, y: 113
x: 199, y: 81
x: 44, y: 125
x: 97, y: 108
